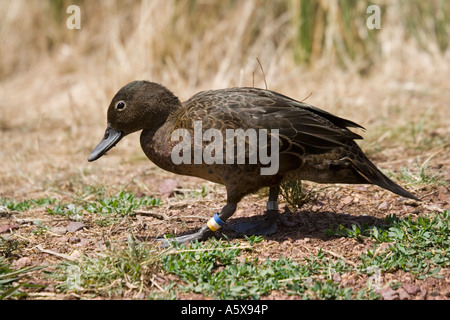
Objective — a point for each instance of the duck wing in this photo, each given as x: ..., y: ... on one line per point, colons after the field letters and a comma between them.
x: 304, y: 126
x: 303, y: 131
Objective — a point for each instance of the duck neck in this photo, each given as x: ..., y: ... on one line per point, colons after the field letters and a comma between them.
x: 156, y: 142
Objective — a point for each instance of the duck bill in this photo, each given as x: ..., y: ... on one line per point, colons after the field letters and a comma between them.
x: 111, y: 138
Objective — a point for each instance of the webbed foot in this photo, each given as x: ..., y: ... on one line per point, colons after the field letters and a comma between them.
x: 265, y: 225
x: 203, y: 234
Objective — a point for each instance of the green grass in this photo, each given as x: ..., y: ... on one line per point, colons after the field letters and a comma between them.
x: 421, y: 246
x: 113, y: 209
x: 215, y: 269
x: 110, y: 209
x: 25, y: 204
x: 70, y: 210
x: 123, y: 203
x: 9, y: 285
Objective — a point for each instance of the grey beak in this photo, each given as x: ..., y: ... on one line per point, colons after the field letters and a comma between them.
x: 111, y: 138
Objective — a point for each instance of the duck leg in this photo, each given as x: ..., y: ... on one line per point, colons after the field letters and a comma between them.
x: 266, y: 225
x: 208, y: 229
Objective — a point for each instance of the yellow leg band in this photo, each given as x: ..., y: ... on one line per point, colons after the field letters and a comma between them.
x: 215, y: 223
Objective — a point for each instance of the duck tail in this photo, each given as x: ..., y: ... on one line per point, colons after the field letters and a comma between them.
x: 373, y: 175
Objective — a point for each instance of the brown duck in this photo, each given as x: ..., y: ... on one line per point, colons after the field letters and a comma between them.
x: 312, y: 144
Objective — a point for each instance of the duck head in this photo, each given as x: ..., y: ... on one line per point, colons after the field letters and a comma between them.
x: 138, y: 105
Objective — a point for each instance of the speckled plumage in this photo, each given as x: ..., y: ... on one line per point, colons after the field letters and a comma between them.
x: 314, y: 144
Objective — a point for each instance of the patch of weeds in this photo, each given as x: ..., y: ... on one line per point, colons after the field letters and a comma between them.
x: 421, y: 135
x: 26, y: 204
x: 40, y: 228
x: 92, y: 192
x: 293, y: 192
x: 423, y: 132
x: 200, y: 193
x: 217, y: 269
x: 123, y: 204
x: 183, y: 193
x: 424, y: 175
x: 254, y: 239
x: 341, y: 231
x: 53, y: 206
x: 420, y: 246
x: 112, y: 208
x: 114, y: 271
x: 70, y: 210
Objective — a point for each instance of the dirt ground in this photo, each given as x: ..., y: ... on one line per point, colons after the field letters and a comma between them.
x: 304, y: 235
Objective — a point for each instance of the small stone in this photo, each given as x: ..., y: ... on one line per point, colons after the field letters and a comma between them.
x: 387, y: 293
x: 337, y: 277
x: 411, y: 289
x: 423, y: 293
x: 59, y: 230
x: 22, y: 262
x: 8, y: 227
x: 403, y: 295
x: 347, y: 200
x: 62, y: 239
x: 75, y: 254
x: 444, y: 194
x: 75, y: 226
x: 168, y: 186
x: 383, y: 206
x: 74, y: 240
x: 446, y: 291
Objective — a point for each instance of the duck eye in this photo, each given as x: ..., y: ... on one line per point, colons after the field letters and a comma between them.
x: 120, y: 105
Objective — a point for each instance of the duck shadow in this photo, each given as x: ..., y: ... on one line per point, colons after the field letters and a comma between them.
x: 307, y: 224
x: 302, y: 224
